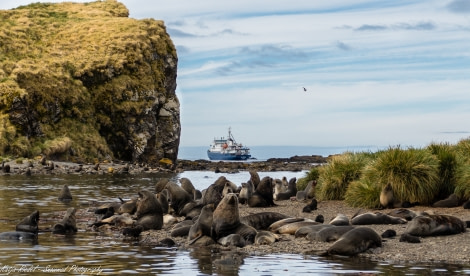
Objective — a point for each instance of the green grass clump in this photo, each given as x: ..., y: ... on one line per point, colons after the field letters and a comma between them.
x: 413, y: 173
x: 448, y: 164
x: 336, y: 175
x: 462, y: 182
x: 363, y: 193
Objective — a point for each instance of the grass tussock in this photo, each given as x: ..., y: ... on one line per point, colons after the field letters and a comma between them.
x: 412, y: 173
x: 341, y: 170
x: 448, y: 165
x: 363, y: 193
x: 312, y: 174
x: 57, y: 146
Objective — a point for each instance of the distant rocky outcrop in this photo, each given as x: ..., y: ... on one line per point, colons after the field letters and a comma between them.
x: 83, y: 82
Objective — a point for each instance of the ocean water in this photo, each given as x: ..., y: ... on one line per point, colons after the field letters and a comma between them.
x: 262, y: 153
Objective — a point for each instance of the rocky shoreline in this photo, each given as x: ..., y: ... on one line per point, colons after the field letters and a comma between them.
x: 42, y: 166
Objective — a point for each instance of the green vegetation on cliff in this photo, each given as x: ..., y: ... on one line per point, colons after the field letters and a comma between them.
x: 82, y: 81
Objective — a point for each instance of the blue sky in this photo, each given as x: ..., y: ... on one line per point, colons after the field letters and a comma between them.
x: 380, y: 73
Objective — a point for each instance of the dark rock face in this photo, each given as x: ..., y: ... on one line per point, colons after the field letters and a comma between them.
x: 99, y: 85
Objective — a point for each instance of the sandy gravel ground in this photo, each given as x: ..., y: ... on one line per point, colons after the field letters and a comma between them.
x: 453, y: 249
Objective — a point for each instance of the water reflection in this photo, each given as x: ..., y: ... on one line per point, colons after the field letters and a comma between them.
x: 109, y: 254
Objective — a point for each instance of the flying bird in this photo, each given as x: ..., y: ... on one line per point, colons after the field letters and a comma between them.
x: 305, y: 89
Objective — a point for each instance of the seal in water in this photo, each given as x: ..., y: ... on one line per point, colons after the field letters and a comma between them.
x: 355, y: 241
x: 65, y: 194
x: 68, y: 224
x: 29, y: 223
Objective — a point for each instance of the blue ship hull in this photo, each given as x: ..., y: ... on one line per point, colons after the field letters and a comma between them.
x: 227, y: 156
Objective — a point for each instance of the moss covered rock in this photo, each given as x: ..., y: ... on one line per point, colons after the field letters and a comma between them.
x: 83, y: 81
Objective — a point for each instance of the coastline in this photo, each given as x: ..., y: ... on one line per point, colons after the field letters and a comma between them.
x: 452, y: 249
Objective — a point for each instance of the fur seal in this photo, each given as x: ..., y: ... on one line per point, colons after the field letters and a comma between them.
x: 65, y: 194
x: 127, y: 206
x: 226, y: 220
x: 262, y: 221
x: 435, y: 225
x: 330, y: 234
x: 386, y: 196
x: 355, y: 241
x: 68, y: 224
x: 310, y: 207
x: 246, y: 192
x: 163, y: 200
x: 291, y: 228
x: 402, y: 213
x: 149, y: 213
x: 213, y: 194
x: 187, y: 185
x: 266, y: 238
x: 161, y: 184
x: 254, y: 178
x: 340, y: 219
x: 279, y: 187
x: 232, y: 240
x: 376, y: 218
x: 202, y: 226
x: 389, y: 233
x: 466, y: 205
x: 308, y: 192
x: 178, y: 196
x: 310, y: 230
x: 409, y: 238
x: 283, y: 222
x: 263, y: 195
x: 450, y: 202
x: 133, y: 232
x: 18, y: 236
x: 181, y: 229
x: 291, y: 190
x: 29, y: 223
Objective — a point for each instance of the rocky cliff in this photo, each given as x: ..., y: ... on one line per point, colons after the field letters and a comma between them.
x: 83, y: 82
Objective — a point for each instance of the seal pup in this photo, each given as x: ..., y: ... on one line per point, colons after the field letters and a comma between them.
x: 310, y: 207
x: 263, y: 195
x: 450, y: 202
x: 435, y: 225
x: 178, y: 196
x: 29, y: 223
x: 278, y: 187
x: 246, y: 192
x: 291, y: 190
x: 266, y: 237
x: 405, y: 237
x: 202, y: 226
x: 389, y: 233
x: 340, y: 219
x: 226, y: 220
x: 262, y: 221
x: 376, y: 218
x: 68, y: 224
x: 232, y: 240
x: 65, y: 194
x: 355, y: 241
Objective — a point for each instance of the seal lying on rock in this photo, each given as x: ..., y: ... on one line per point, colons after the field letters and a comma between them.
x: 355, y: 241
x: 435, y: 225
x: 376, y: 218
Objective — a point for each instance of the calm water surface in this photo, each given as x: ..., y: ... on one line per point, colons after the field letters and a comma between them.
x: 92, y: 253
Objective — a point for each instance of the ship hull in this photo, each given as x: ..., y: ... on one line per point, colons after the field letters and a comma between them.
x: 227, y: 156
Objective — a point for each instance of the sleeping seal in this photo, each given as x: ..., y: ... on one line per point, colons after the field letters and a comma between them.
x: 435, y: 225
x: 376, y: 218
x: 355, y: 241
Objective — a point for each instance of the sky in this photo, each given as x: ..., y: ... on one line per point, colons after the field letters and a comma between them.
x: 377, y: 73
